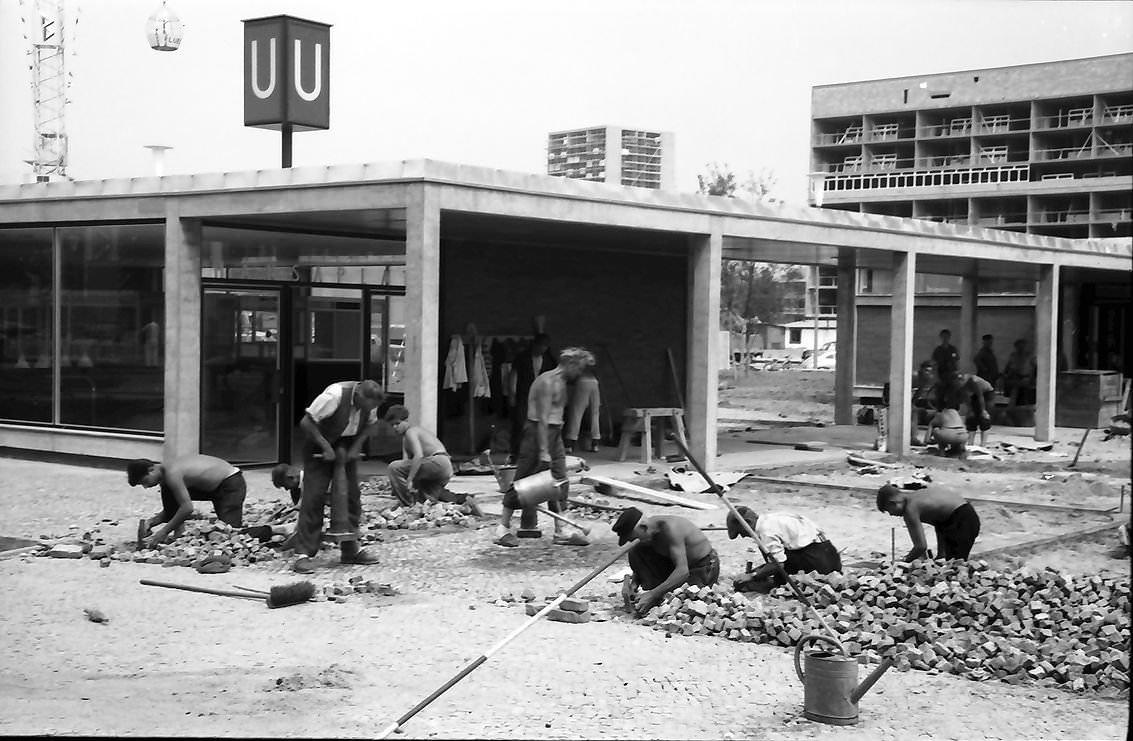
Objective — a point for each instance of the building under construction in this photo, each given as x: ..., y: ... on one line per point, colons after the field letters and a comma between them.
x: 613, y: 154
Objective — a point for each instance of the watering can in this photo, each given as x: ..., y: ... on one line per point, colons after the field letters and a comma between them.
x: 830, y: 682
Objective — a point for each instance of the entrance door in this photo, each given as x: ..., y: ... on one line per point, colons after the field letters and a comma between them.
x: 240, y: 374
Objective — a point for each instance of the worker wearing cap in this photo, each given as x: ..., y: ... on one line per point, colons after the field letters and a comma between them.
x: 791, y: 541
x: 670, y: 551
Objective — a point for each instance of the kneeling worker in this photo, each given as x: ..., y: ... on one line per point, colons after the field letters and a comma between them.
x: 670, y: 551
x: 202, y: 478
x: 953, y: 517
x: 792, y: 541
x: 425, y: 466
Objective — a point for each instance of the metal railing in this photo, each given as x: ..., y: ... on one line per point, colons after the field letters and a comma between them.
x: 1117, y: 114
x: 925, y: 178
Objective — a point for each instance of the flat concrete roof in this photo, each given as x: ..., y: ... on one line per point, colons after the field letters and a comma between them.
x: 757, y: 231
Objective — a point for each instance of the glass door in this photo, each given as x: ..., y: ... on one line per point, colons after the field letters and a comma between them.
x: 241, y: 382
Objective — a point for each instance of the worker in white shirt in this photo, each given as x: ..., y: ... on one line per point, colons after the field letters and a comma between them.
x: 793, y: 541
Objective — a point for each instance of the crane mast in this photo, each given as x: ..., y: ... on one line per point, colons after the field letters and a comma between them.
x: 49, y: 90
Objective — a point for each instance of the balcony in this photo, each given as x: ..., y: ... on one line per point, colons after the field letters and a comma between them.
x: 1117, y: 114
x: 1066, y: 119
x: 841, y: 182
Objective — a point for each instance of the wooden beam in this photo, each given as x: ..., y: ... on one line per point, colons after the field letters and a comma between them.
x: 641, y: 490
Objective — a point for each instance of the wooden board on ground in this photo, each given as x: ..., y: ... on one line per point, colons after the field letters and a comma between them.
x: 645, y: 492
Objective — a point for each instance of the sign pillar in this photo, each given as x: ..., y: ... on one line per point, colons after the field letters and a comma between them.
x: 286, y: 76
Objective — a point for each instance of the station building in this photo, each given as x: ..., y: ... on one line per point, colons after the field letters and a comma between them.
x: 157, y: 316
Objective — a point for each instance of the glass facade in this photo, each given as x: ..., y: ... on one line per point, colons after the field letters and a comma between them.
x: 83, y: 317
x: 27, y: 339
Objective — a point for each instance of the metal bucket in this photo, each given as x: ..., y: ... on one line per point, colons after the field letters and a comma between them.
x: 538, y: 488
x: 504, y: 476
x: 831, y: 680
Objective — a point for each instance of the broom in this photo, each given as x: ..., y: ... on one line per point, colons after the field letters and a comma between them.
x: 280, y: 596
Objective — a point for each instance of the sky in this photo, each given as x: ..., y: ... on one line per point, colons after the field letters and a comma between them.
x: 483, y: 82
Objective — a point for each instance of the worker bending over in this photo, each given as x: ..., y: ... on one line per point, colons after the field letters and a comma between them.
x: 183, y: 480
x: 425, y: 466
x: 953, y: 517
x: 791, y: 541
x: 670, y: 551
x: 948, y: 433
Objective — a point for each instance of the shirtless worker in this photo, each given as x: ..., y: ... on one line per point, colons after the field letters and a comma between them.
x: 953, y: 517
x: 947, y: 431
x: 425, y: 466
x: 670, y: 551
x: 792, y: 541
x: 542, y: 448
x: 184, y: 480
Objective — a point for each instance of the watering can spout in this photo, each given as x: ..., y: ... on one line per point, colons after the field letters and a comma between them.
x: 869, y: 681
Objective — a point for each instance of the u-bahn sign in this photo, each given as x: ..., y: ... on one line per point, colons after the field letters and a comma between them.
x: 286, y: 73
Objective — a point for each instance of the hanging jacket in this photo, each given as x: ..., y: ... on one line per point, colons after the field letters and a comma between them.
x: 456, y: 372
x: 479, y: 379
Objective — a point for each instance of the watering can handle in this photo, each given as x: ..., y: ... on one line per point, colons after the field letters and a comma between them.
x: 807, y: 639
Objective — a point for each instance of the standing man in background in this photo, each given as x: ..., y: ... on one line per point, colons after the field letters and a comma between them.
x: 987, y: 366
x: 945, y: 356
x: 526, y: 368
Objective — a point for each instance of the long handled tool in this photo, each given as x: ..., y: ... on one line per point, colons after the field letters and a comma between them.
x: 396, y: 725
x: 763, y: 551
x: 560, y: 518
x: 279, y: 596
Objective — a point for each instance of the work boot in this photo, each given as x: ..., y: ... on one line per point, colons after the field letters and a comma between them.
x: 572, y: 539
x: 507, y: 540
x: 304, y: 565
x: 352, y: 554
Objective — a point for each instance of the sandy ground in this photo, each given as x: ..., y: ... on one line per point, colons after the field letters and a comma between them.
x: 175, y: 663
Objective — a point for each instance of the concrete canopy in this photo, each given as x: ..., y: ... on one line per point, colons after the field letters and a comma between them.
x: 424, y: 201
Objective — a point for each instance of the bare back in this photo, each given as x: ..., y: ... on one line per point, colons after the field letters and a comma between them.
x: 665, y: 530
x: 420, y: 442
x: 934, y: 505
x: 201, y: 472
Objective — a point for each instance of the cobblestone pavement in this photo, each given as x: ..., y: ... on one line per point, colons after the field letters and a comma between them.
x: 177, y: 663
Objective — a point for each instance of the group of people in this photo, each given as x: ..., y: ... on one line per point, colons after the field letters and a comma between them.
x: 671, y: 550
x: 336, y: 425
x: 941, y: 390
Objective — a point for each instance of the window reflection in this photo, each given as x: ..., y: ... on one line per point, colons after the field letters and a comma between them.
x: 26, y: 339
x: 112, y: 327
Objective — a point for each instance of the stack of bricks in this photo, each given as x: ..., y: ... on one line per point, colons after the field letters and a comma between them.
x: 570, y: 610
x: 943, y: 617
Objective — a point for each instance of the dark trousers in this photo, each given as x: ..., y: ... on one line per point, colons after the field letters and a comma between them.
x: 956, y: 536
x: 650, y: 568
x: 227, y: 500
x: 317, y: 477
x: 820, y: 556
x: 528, y: 463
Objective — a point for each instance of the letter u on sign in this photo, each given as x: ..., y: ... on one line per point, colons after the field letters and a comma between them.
x: 263, y: 93
x: 314, y: 93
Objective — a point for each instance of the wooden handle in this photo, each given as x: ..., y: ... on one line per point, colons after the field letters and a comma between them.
x: 560, y: 518
x: 205, y: 590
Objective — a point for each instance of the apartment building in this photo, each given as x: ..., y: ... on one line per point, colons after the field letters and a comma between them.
x: 616, y: 155
x: 1042, y: 148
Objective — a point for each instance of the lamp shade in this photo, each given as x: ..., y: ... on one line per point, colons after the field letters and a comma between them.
x: 164, y: 30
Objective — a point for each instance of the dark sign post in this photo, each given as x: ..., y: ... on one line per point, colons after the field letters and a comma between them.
x: 286, y: 76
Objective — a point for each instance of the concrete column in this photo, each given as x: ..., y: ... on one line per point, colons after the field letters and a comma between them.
x: 702, y: 362
x: 901, y: 352
x: 845, y: 359
x: 968, y: 330
x: 422, y: 294
x: 182, y: 283
x: 1046, y: 351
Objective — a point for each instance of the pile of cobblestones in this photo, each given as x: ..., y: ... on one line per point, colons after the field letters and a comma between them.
x: 949, y: 617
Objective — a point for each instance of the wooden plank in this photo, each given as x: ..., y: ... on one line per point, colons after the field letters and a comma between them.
x: 641, y: 490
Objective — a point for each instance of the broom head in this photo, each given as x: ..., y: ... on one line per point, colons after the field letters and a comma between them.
x: 291, y: 594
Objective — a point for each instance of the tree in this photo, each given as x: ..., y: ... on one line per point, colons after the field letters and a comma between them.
x: 752, y: 294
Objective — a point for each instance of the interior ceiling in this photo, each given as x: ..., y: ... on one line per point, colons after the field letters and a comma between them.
x: 510, y: 229
x: 368, y: 223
